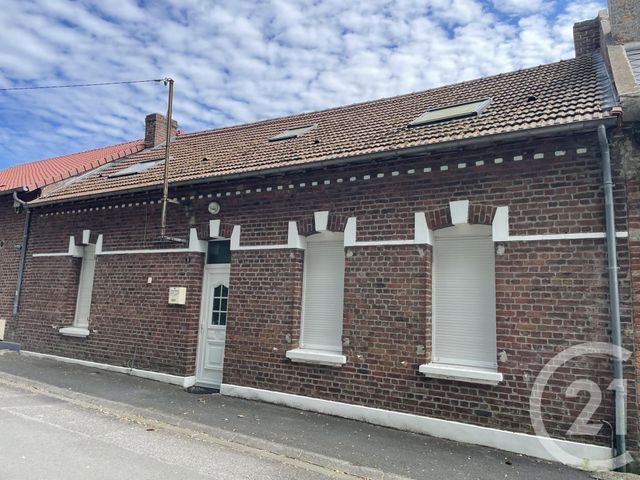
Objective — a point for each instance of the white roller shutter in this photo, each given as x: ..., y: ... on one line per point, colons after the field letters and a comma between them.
x: 85, y: 289
x: 464, y: 312
x: 323, y: 295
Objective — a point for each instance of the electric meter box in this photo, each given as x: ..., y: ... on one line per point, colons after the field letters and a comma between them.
x: 177, y: 295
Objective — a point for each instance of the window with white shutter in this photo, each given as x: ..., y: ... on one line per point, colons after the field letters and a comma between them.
x: 464, y: 297
x: 85, y: 288
x: 323, y: 293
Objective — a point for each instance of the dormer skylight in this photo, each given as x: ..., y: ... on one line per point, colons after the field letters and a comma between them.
x: 137, y: 168
x: 452, y: 112
x: 293, y: 133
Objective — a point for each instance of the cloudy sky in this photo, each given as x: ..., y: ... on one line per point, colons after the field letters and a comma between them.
x: 236, y: 61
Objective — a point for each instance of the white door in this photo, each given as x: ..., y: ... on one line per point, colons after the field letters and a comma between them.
x: 213, y: 325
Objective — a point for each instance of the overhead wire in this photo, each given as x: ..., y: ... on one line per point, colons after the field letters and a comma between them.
x: 43, y: 87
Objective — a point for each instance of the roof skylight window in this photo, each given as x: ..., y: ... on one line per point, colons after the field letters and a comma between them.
x: 293, y: 133
x: 137, y: 168
x: 453, y: 112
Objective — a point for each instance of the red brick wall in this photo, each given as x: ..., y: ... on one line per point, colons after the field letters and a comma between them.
x: 550, y: 295
x: 11, y: 227
x: 131, y: 322
x: 265, y: 307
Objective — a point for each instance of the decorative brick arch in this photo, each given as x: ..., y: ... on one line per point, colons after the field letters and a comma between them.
x: 320, y: 222
x: 463, y: 212
x: 215, y: 230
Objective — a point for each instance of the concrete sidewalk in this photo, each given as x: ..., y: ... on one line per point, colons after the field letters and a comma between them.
x: 347, y: 446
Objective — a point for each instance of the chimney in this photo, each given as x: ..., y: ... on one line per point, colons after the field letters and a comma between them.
x: 155, y: 129
x: 586, y: 37
x: 625, y: 21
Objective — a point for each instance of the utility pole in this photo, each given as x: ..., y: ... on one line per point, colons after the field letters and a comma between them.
x: 165, y: 188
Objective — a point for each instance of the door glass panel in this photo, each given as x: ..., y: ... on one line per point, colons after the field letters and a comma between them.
x: 218, y: 251
x: 220, y: 297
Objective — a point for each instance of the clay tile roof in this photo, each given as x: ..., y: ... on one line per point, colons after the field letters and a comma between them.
x: 553, y: 94
x: 45, y: 172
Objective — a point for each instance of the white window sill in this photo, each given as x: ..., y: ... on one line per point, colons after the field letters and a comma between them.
x: 74, y: 332
x: 318, y: 357
x: 460, y: 373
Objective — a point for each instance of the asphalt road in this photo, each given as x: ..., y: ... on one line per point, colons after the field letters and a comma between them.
x: 46, y: 437
x: 295, y: 438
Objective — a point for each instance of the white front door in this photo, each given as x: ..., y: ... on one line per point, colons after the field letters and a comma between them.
x: 213, y: 325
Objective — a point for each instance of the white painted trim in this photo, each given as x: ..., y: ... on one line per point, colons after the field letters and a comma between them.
x: 521, y: 443
x: 144, y: 252
x: 500, y: 225
x: 74, y: 332
x: 294, y: 240
x: 422, y: 235
x: 564, y: 236
x: 350, y: 230
x: 72, y: 251
x: 321, y: 221
x: 99, y: 243
x: 319, y: 357
x: 183, y: 382
x: 463, y: 374
x: 86, y: 237
x: 459, y: 212
x: 195, y: 246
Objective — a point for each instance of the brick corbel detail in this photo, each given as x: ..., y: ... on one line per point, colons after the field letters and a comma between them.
x: 307, y: 225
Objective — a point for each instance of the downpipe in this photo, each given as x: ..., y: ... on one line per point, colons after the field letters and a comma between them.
x: 23, y: 254
x: 620, y: 440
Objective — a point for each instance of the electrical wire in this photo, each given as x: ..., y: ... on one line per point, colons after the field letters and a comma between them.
x: 82, y: 85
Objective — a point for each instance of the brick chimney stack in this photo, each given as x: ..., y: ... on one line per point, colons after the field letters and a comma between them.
x: 155, y: 129
x: 586, y: 36
x: 624, y: 16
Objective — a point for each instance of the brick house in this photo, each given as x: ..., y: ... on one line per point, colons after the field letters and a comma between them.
x: 24, y: 183
x: 413, y: 261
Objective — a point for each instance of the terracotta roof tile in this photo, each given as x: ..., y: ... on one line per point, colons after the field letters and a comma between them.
x: 44, y: 172
x: 565, y: 92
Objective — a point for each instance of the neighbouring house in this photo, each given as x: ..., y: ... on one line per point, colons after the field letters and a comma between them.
x: 414, y: 261
x: 24, y: 183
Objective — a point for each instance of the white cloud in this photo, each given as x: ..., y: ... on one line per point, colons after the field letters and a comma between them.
x: 242, y: 61
x: 523, y: 6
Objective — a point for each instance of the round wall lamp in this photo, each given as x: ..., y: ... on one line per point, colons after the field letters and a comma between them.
x: 213, y: 208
